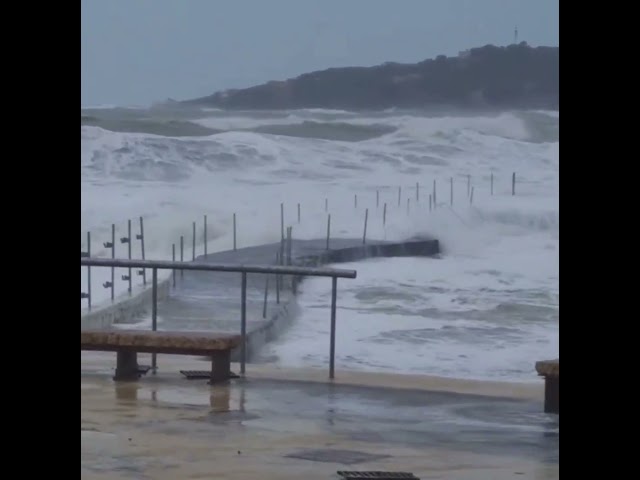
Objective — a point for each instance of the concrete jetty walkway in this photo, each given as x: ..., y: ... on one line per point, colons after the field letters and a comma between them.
x: 210, y: 301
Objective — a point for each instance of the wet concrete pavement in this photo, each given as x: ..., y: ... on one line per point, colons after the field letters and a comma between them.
x: 259, y: 427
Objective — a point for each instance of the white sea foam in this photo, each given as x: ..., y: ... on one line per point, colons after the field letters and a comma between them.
x: 500, y: 261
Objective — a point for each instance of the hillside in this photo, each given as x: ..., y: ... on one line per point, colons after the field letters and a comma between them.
x: 517, y: 76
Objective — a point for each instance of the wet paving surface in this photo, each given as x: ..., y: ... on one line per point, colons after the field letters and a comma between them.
x: 165, y: 425
x: 403, y: 417
x: 476, y: 424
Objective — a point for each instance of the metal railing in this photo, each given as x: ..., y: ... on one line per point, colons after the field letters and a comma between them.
x: 156, y: 265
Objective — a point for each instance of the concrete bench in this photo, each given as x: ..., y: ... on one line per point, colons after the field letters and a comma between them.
x: 128, y: 343
x: 550, y: 370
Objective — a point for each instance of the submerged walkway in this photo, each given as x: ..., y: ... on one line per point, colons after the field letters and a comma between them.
x: 210, y: 301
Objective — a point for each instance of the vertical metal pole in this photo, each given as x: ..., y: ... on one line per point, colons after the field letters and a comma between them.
x: 430, y: 201
x: 266, y: 293
x: 282, y: 220
x: 377, y: 198
x: 384, y: 215
x: 234, y: 233
x: 492, y: 183
x: 332, y: 351
x: 399, y: 195
x: 243, y: 319
x: 468, y: 185
x: 451, y: 183
x: 154, y: 312
x: 408, y: 204
x: 328, y: 229
x: 173, y: 257
x: 193, y: 253
x: 282, y: 255
x: 471, y: 197
x: 181, y: 254
x: 366, y: 219
x: 113, y: 256
x: 513, y: 183
x: 434, y: 195
x: 205, y: 236
x: 89, y: 270
x: 298, y: 213
x: 326, y: 204
x: 130, y: 241
x: 287, y: 257
x: 278, y: 279
x: 355, y: 201
x: 289, y: 244
x: 141, y: 238
x: 417, y: 192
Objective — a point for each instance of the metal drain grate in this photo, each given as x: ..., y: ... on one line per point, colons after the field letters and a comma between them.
x: 202, y: 374
x: 374, y: 475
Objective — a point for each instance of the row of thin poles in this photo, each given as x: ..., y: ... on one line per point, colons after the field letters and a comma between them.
x: 432, y: 196
x: 128, y: 240
x: 111, y: 245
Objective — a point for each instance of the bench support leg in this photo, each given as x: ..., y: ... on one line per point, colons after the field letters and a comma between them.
x: 127, y: 366
x: 552, y: 394
x: 220, y: 366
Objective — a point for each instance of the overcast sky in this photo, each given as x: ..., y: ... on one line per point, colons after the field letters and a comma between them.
x: 135, y: 52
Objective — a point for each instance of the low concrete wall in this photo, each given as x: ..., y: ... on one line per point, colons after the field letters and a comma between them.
x: 414, y: 248
x: 124, y: 309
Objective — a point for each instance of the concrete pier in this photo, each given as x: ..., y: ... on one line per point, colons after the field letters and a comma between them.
x: 210, y: 301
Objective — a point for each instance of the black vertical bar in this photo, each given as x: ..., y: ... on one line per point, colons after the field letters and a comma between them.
x: 154, y: 312
x: 130, y: 246
x: 144, y: 270
x: 113, y: 256
x: 193, y: 253
x: 332, y: 352
x: 243, y: 318
x: 173, y: 257
x: 89, y: 270
x: 205, y: 236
